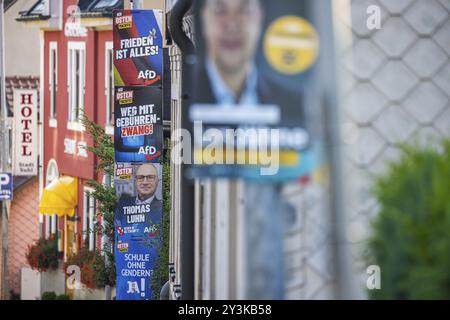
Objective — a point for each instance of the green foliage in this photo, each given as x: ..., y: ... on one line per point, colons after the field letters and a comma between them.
x: 161, y: 271
x: 103, y: 148
x: 48, y: 295
x: 51, y: 295
x: 411, y: 235
x: 106, y: 198
x: 43, y: 255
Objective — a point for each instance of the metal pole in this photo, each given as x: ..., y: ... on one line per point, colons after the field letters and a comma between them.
x: 4, y: 111
x: 136, y: 4
x: 264, y: 212
x: 107, y: 246
x: 187, y: 188
x: 4, y: 155
x: 324, y: 15
x: 5, y: 293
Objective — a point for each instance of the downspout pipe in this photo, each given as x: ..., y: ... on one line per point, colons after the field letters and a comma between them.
x: 187, y: 189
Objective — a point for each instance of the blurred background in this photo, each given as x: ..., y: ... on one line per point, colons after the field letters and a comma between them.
x: 372, y: 223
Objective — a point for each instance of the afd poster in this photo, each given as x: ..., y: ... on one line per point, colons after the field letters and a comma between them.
x: 138, y: 47
x: 138, y: 135
x: 138, y: 228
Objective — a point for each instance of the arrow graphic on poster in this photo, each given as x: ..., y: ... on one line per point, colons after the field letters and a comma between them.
x: 156, y: 155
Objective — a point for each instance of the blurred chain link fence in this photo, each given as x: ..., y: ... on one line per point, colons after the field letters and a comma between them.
x: 395, y: 87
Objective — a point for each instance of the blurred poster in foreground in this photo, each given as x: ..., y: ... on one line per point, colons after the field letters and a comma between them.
x: 250, y: 111
x: 138, y: 133
x: 138, y: 47
x: 138, y: 228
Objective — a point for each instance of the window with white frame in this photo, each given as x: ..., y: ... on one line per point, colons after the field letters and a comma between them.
x: 51, y: 226
x: 54, y: 225
x: 76, y: 80
x: 53, y: 77
x: 109, y: 83
x: 104, y: 241
x: 89, y: 219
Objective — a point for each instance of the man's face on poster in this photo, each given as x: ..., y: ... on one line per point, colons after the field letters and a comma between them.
x: 146, y: 180
x: 231, y: 30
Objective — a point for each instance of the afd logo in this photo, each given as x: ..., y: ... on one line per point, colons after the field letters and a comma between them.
x: 147, y: 74
x: 150, y: 152
x: 5, y: 186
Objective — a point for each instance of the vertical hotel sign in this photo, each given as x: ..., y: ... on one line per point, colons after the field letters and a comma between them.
x: 138, y: 143
x: 25, y: 133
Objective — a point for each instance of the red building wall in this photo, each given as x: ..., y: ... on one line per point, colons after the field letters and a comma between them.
x: 94, y: 102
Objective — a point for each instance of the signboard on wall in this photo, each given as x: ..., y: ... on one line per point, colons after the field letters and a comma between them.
x: 138, y: 47
x: 138, y: 135
x: 25, y: 146
x: 6, y: 186
x: 138, y: 228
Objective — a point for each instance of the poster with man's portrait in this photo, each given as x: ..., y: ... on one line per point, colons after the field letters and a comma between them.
x: 138, y: 227
x: 254, y: 59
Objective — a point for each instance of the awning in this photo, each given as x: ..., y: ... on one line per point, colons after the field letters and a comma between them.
x: 60, y: 197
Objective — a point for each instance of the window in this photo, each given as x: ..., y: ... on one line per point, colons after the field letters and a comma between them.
x: 53, y: 225
x: 105, y: 245
x: 109, y: 83
x: 47, y: 227
x: 76, y: 80
x: 38, y: 8
x: 101, y: 5
x: 53, y: 78
x: 89, y: 220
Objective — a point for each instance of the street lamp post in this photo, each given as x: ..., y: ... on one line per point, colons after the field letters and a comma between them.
x: 3, y: 156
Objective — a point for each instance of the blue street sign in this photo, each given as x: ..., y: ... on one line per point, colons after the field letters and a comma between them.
x: 6, y: 186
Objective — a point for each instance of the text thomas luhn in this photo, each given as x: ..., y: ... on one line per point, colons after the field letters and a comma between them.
x: 227, y: 309
x: 136, y: 214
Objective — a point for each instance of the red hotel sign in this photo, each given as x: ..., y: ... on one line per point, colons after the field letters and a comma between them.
x: 25, y: 146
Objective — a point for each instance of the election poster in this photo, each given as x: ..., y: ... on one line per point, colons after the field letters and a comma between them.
x: 138, y: 124
x: 255, y: 95
x: 138, y: 47
x: 138, y: 228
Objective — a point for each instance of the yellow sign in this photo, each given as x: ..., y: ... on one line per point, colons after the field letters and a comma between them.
x: 291, y: 45
x: 244, y: 157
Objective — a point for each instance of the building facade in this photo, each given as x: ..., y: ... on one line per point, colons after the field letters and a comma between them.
x: 22, y: 72
x: 76, y: 67
x: 77, y: 79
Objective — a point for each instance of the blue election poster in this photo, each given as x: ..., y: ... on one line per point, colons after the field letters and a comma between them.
x: 138, y: 135
x: 138, y: 47
x: 138, y: 228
